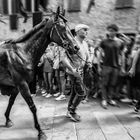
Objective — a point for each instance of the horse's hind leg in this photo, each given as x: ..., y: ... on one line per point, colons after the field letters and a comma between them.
x: 12, y: 98
x: 25, y: 92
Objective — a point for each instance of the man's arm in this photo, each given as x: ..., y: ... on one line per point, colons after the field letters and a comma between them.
x: 67, y: 64
x: 121, y: 54
x: 122, y: 61
x: 88, y: 58
x: 41, y: 61
x: 125, y: 38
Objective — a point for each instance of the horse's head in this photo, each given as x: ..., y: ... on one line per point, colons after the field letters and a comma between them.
x: 60, y: 33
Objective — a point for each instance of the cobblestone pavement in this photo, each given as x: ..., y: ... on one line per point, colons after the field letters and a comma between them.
x: 115, y: 123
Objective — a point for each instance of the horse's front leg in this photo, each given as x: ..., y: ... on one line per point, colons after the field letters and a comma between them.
x: 25, y: 92
x: 12, y: 98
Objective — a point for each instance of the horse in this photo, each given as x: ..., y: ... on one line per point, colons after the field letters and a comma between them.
x: 18, y: 62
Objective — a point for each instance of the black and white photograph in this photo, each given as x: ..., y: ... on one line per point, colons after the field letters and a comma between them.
x: 69, y: 69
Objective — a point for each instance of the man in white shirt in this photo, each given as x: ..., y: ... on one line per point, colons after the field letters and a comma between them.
x: 75, y: 64
x: 78, y: 62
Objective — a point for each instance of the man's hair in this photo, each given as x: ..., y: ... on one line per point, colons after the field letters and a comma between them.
x: 113, y: 26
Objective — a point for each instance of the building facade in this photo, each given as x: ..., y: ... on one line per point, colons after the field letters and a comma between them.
x: 98, y: 16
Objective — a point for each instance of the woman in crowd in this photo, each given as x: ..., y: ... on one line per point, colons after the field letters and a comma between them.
x: 60, y: 74
x: 47, y: 61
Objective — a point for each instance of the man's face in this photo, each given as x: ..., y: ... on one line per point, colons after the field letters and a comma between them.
x: 111, y: 32
x: 82, y: 33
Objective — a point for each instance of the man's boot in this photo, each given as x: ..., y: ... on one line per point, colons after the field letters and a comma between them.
x: 72, y: 114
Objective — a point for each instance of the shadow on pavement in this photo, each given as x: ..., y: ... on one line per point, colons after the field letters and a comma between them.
x: 2, y: 126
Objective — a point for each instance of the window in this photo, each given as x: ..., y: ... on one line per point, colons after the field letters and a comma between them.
x: 13, y: 21
x: 5, y: 6
x: 10, y: 6
x: 74, y: 6
x: 122, y: 4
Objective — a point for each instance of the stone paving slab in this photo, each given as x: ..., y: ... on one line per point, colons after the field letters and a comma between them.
x: 135, y: 133
x: 18, y: 134
x: 109, y: 123
x: 90, y: 134
x: 118, y: 137
x: 88, y: 121
x: 97, y: 123
x: 62, y: 123
x: 65, y: 135
x: 127, y: 117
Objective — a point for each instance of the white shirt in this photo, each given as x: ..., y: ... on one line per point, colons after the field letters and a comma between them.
x: 81, y: 57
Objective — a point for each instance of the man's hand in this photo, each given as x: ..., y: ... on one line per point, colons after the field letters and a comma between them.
x: 76, y: 73
x: 39, y: 64
x: 131, y: 72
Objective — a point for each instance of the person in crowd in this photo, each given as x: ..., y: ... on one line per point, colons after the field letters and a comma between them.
x: 129, y: 58
x: 96, y: 62
x: 39, y: 80
x: 47, y: 61
x: 22, y: 11
x: 124, y: 90
x: 43, y: 5
x: 112, y: 47
x: 60, y: 74
x: 134, y: 71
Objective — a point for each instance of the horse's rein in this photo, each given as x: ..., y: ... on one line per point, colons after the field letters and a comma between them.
x: 64, y: 42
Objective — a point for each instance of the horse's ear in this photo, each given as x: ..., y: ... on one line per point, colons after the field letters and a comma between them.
x: 57, y: 13
x: 58, y: 10
x: 62, y: 16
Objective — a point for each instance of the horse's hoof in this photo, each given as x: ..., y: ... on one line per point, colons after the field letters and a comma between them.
x: 9, y: 123
x: 42, y: 136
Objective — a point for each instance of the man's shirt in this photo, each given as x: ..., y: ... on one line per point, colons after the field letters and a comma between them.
x: 82, y: 56
x: 112, y: 49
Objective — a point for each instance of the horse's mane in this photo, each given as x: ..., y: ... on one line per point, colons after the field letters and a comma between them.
x: 31, y: 41
x: 36, y: 41
x: 35, y: 36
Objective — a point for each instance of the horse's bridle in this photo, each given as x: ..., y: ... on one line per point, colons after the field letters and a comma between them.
x: 65, y: 43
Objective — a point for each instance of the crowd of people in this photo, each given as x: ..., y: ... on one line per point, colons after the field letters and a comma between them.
x: 113, y: 60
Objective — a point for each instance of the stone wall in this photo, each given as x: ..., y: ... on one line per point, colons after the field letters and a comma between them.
x: 102, y: 14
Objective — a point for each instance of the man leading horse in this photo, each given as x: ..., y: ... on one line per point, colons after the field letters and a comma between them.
x: 76, y: 62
